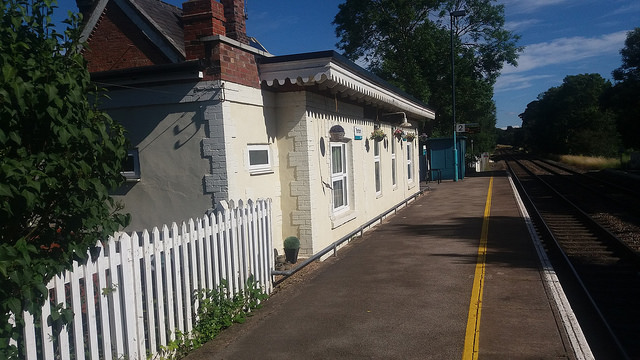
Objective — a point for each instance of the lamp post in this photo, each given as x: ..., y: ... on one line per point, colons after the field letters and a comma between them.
x: 454, y: 14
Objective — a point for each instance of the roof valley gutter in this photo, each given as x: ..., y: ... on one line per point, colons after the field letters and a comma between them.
x: 334, y: 246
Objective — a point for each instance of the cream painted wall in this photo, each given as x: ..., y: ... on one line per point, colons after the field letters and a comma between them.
x: 365, y: 203
x: 305, y: 118
x: 245, y: 124
x: 288, y: 111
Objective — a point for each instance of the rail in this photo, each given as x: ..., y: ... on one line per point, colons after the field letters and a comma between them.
x: 334, y: 246
x: 555, y: 246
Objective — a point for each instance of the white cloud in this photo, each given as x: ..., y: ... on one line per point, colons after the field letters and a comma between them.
x: 520, y: 25
x: 566, y: 50
x: 625, y: 10
x: 529, y: 6
x: 512, y: 82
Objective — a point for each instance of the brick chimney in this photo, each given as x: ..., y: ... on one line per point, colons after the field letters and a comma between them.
x: 226, y: 60
x: 236, y: 20
x: 201, y: 18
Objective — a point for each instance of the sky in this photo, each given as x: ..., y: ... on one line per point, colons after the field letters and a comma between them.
x: 560, y: 38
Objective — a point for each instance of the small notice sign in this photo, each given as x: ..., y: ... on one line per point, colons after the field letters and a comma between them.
x: 461, y: 128
x: 357, y: 133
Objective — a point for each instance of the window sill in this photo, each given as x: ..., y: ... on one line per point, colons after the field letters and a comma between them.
x: 261, y: 172
x: 342, y: 218
x: 132, y: 179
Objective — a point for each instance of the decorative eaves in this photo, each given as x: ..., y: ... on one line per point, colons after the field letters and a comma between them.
x: 330, y: 72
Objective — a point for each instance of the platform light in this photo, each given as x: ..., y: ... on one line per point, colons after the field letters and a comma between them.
x: 454, y: 14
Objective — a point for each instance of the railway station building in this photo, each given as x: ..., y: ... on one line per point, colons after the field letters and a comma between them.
x: 211, y: 115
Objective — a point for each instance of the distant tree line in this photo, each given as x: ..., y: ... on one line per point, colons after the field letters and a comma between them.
x: 408, y: 44
x: 587, y: 114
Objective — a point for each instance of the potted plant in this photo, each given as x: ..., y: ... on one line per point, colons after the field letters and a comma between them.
x: 291, y: 248
x: 410, y: 136
x: 398, y: 133
x: 377, y: 135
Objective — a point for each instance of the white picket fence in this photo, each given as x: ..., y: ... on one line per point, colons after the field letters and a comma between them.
x: 139, y: 291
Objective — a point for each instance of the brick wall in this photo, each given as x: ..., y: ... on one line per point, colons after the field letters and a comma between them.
x: 116, y: 43
x: 217, y: 182
x: 233, y: 64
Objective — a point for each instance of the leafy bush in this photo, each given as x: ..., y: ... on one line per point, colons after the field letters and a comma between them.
x: 59, y: 157
x: 291, y: 242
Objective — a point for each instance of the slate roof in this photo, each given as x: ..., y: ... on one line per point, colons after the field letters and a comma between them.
x: 165, y: 18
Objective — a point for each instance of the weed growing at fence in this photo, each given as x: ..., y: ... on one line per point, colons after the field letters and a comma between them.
x: 218, y: 309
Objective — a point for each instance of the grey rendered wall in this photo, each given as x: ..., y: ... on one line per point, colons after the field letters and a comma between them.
x: 180, y: 151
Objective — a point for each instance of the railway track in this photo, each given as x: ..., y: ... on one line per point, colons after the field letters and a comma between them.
x: 578, y: 218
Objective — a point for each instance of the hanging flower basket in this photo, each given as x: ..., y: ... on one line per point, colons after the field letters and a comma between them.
x: 410, y: 136
x: 399, y: 134
x: 377, y: 135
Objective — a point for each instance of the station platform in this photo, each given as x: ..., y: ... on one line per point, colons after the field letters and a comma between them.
x: 454, y: 275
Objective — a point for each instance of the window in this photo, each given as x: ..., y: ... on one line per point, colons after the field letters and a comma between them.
x: 131, y: 166
x: 394, y: 181
x: 339, y: 177
x: 259, y: 159
x: 410, y: 161
x: 376, y: 166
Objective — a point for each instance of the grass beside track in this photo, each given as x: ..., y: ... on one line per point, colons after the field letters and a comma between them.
x: 589, y: 162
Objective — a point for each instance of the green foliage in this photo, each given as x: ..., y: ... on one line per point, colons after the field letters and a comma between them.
x: 511, y: 136
x: 59, y: 156
x: 569, y: 119
x: 291, y: 242
x: 217, y: 310
x: 630, y: 68
x: 623, y: 98
x: 408, y: 44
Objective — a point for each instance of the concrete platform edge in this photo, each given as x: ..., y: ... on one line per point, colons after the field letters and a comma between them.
x: 573, y: 331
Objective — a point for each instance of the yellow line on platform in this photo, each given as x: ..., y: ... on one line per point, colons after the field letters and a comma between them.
x: 471, y: 341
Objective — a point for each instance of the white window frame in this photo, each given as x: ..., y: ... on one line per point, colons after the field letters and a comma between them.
x: 260, y: 168
x: 132, y: 175
x: 341, y: 176
x: 410, y: 169
x: 377, y: 172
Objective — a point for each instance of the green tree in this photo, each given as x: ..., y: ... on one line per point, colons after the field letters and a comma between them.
x: 408, y: 44
x: 630, y: 69
x: 59, y: 156
x: 569, y: 119
x: 624, y: 98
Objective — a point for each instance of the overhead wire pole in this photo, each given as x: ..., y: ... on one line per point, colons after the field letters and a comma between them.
x: 453, y: 15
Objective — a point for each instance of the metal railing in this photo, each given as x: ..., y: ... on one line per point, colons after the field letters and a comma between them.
x: 334, y: 246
